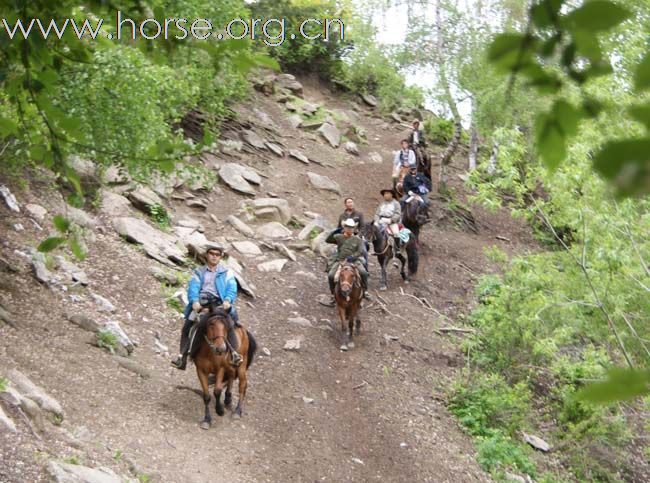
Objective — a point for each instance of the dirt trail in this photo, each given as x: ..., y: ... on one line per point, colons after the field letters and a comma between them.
x: 375, y: 413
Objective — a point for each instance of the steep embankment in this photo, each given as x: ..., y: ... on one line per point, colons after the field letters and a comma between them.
x: 375, y: 413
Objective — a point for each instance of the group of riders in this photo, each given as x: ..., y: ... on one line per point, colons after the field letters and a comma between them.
x: 215, y: 284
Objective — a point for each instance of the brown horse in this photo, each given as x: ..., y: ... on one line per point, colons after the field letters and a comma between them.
x: 348, y: 294
x: 399, y: 185
x: 211, y: 356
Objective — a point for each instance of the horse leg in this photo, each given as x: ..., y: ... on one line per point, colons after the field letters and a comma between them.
x: 382, y: 282
x: 203, y: 379
x: 358, y: 326
x: 218, y: 387
x: 243, y: 383
x: 344, y: 334
x: 402, y: 272
x: 228, y: 399
x: 351, y: 329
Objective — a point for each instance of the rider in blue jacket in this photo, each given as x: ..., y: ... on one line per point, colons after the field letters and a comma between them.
x: 212, y: 281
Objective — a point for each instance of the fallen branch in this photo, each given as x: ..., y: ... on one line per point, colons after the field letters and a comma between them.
x: 456, y: 329
x: 385, y: 309
x: 359, y: 386
x: 503, y: 238
x: 425, y: 303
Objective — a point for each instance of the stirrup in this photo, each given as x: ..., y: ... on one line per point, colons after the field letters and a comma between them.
x: 236, y: 358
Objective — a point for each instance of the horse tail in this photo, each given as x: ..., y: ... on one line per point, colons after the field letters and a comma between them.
x: 413, y: 257
x: 252, y: 348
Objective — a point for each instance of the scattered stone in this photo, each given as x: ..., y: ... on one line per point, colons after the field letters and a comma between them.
x: 144, y: 198
x: 160, y: 348
x: 254, y: 139
x: 317, y: 226
x: 268, y: 214
x: 18, y: 227
x: 164, y: 276
x: 6, y: 424
x: 115, y: 175
x: 307, y: 400
x: 301, y: 321
x: 291, y: 302
x: 308, y: 275
x: 323, y: 182
x: 67, y: 473
x: 36, y: 211
x: 288, y: 81
x: 375, y: 158
x: 274, y: 148
x: 31, y: 391
x: 79, y: 217
x: 75, y: 273
x: 313, y: 124
x: 536, y: 442
x: 331, y: 134
x: 351, y: 148
x: 197, y: 203
x: 247, y: 248
x: 391, y: 338
x: 158, y: 245
x: 514, y: 478
x: 84, y: 322
x: 294, y: 153
x: 358, y: 461
x: 104, y: 304
x: 239, y: 178
x: 231, y: 146
x: 292, y: 345
x: 319, y: 246
x: 41, y: 272
x: 114, y: 204
x: 134, y: 367
x: 369, y: 99
x: 123, y: 339
x: 396, y: 117
x: 240, y: 226
x: 266, y: 351
x: 281, y: 205
x: 10, y: 199
x: 295, y: 121
x: 309, y: 109
x: 190, y: 223
x: 280, y: 247
x: 273, y: 230
x: 273, y: 265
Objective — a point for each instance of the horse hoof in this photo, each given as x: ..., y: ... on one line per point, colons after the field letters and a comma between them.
x: 351, y: 345
x: 344, y: 347
x: 205, y: 425
x: 236, y: 416
x: 220, y: 411
x: 406, y: 282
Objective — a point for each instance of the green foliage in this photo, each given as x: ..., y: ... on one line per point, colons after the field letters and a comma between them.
x: 70, y: 234
x: 3, y: 384
x: 72, y: 460
x: 107, y: 340
x: 499, y: 452
x: 621, y: 385
x: 439, y: 130
x: 144, y: 478
x: 159, y: 214
x: 175, y: 304
x: 117, y: 455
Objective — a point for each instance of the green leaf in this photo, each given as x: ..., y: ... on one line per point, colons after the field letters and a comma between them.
x: 61, y: 223
x: 641, y: 113
x: 620, y: 385
x: 642, y: 74
x: 7, y: 127
x: 509, y: 51
x: 50, y: 244
x: 76, y: 248
x: 545, y: 12
x: 627, y: 164
x: 551, y: 142
x: 567, y: 117
x: 597, y: 16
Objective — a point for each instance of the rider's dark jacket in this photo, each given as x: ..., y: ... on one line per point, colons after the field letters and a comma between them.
x: 412, y: 182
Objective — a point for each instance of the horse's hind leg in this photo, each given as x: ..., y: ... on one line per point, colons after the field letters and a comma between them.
x: 218, y: 387
x: 344, y: 334
x: 203, y: 379
x: 228, y: 399
x: 243, y: 384
x: 358, y: 326
x: 382, y: 282
x: 402, y: 272
x: 350, y: 330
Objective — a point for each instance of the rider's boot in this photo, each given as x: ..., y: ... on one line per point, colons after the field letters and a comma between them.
x: 232, y: 342
x: 332, y: 301
x: 181, y: 361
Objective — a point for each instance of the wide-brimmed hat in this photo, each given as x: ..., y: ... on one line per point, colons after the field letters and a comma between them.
x: 389, y: 190
x: 214, y: 246
x: 349, y: 223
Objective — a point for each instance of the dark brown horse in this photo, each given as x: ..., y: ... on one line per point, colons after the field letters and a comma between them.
x: 348, y: 294
x: 211, y: 356
x: 384, y: 251
x: 399, y: 185
x: 414, y: 215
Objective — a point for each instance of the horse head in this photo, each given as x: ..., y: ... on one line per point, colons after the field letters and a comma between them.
x: 216, y: 331
x: 347, y: 279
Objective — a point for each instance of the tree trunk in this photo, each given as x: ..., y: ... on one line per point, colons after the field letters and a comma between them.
x: 492, y: 163
x: 473, y: 143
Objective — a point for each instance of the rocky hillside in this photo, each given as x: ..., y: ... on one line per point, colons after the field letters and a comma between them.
x: 89, y: 393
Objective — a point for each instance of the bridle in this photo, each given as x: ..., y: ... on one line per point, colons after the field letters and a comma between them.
x: 212, y: 342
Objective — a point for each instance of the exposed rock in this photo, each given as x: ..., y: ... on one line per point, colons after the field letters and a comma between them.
x: 351, y: 148
x: 273, y: 230
x: 294, y: 153
x: 295, y: 120
x: 269, y: 214
x: 263, y: 118
x: 292, y: 345
x: 229, y: 146
x: 197, y: 203
x: 18, y: 227
x: 514, y: 478
x: 254, y: 139
x: 116, y: 175
x: 285, y: 251
x: 536, y: 442
x: 288, y: 81
x: 193, y: 240
x: 309, y: 109
x: 114, y: 204
x: 143, y: 198
x: 134, y: 367
x: 275, y: 149
x: 10, y: 199
x: 319, y: 246
x: 240, y: 226
x: 247, y: 248
x: 323, y: 182
x: 74, y: 273
x: 30, y: 390
x: 79, y: 217
x: 84, y: 322
x: 6, y: 423
x: 191, y: 223
x: 273, y: 265
x: 158, y: 245
x: 85, y: 168
x: 238, y: 177
x: 244, y: 286
x: 318, y: 225
x: 67, y: 473
x: 264, y: 84
x: 164, y: 276
x: 41, y: 272
x: 104, y: 304
x: 396, y: 117
x: 375, y: 158
x: 331, y: 134
x: 36, y: 211
x: 8, y: 319
x: 369, y: 99
x: 123, y: 339
x: 313, y: 124
x: 308, y: 275
x: 301, y: 321
x: 280, y: 204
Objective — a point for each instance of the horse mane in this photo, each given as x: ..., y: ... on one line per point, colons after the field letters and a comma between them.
x: 201, y: 328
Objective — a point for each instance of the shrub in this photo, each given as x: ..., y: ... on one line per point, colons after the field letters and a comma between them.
x: 107, y: 340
